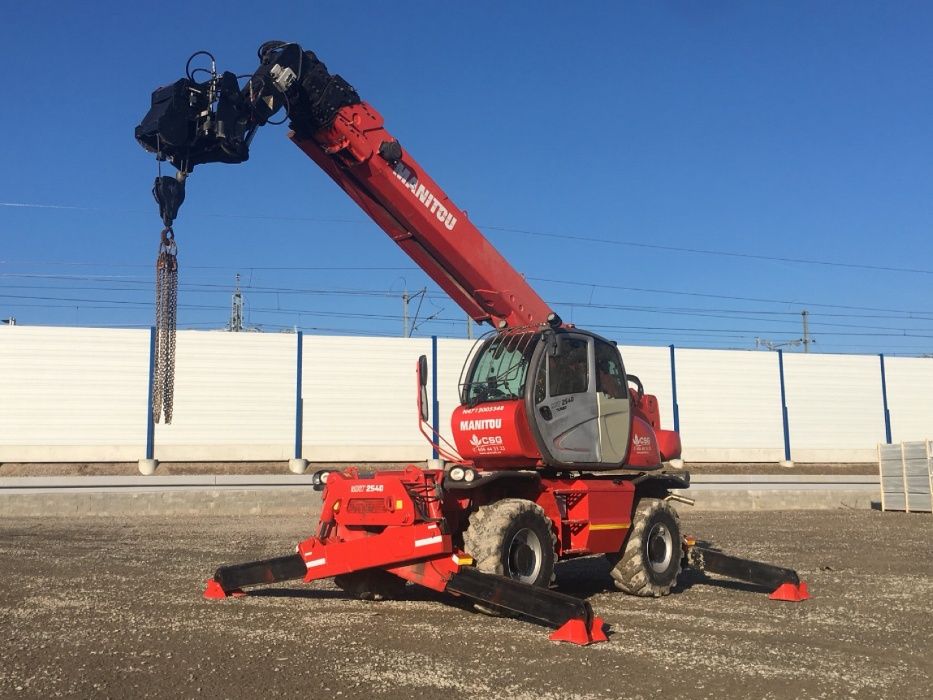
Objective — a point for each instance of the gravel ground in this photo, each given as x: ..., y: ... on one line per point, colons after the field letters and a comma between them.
x: 96, y: 607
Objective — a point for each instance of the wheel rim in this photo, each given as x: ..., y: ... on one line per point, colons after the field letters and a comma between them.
x: 523, y: 562
x: 659, y: 548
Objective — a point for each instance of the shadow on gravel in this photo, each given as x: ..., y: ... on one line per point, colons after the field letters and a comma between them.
x: 583, y: 577
x: 589, y: 576
x: 691, y: 577
x: 412, y: 594
x: 296, y: 593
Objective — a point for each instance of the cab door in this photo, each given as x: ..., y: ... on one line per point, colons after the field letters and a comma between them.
x: 613, y: 403
x: 566, y: 412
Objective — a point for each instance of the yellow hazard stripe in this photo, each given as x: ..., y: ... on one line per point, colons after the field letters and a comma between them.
x: 609, y: 526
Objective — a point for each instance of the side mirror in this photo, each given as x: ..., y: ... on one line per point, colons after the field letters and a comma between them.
x: 423, y: 370
x: 423, y: 387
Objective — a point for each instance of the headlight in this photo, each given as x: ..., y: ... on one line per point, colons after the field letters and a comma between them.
x: 469, y: 475
x: 457, y: 473
x: 319, y: 478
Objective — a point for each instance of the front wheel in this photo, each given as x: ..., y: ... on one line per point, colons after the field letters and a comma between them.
x: 514, y: 538
x: 649, y: 561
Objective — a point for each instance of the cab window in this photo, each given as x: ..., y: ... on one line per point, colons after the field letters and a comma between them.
x: 610, y: 378
x: 499, y: 372
x: 567, y: 371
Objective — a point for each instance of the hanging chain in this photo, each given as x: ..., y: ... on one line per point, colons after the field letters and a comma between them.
x: 163, y: 387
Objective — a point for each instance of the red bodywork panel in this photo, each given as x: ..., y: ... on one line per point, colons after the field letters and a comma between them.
x: 386, y: 529
x: 667, y: 441
x: 591, y: 515
x: 494, y: 431
x: 419, y: 216
x: 643, y: 445
x: 498, y: 436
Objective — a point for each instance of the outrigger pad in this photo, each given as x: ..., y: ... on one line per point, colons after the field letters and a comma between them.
x: 214, y: 591
x: 575, y: 632
x: 793, y: 593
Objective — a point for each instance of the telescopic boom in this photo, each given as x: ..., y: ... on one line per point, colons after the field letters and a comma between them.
x: 190, y: 123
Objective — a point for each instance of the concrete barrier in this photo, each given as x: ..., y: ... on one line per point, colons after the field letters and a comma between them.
x: 290, y: 494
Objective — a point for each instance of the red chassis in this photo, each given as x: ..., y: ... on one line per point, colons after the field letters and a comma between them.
x: 404, y: 525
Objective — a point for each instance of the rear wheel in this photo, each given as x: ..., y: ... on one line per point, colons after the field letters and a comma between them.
x: 514, y: 538
x: 649, y: 562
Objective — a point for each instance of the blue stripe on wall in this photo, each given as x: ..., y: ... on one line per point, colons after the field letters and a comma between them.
x: 884, y: 402
x: 784, y: 406
x: 299, y: 404
x: 150, y: 426
x: 674, y: 391
x: 435, y: 404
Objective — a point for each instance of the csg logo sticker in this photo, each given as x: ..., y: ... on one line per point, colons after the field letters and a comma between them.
x: 642, y: 444
x: 477, y: 441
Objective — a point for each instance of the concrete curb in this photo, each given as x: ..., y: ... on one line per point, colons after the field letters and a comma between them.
x: 287, y: 494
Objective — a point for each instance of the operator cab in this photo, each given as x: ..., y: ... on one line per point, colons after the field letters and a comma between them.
x: 562, y: 390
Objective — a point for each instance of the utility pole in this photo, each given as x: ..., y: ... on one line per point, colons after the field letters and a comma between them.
x: 405, y: 299
x: 406, y: 321
x: 469, y: 327
x: 236, y: 309
x: 806, y: 330
x: 806, y: 340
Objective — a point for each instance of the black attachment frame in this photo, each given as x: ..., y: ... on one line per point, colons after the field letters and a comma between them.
x: 550, y: 607
x: 253, y: 573
x: 713, y: 561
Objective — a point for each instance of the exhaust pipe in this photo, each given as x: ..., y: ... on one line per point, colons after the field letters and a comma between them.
x: 677, y: 498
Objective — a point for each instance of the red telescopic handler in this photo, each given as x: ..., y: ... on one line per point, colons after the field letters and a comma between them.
x: 557, y: 450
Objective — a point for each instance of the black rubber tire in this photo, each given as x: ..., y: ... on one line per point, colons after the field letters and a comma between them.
x: 372, y: 584
x: 650, y: 559
x: 512, y: 537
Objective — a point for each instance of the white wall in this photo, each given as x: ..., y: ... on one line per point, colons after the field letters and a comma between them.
x: 653, y: 367
x: 360, y: 399
x: 234, y: 398
x: 730, y: 406
x: 451, y: 355
x: 910, y: 396
x: 73, y: 393
x: 834, y: 407
x: 77, y: 394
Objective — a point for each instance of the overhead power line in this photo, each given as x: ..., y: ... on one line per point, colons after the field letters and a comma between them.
x: 705, y: 295
x: 528, y: 232
x: 436, y: 293
x: 709, y: 251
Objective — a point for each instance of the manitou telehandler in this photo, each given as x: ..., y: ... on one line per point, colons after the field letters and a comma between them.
x: 556, y: 455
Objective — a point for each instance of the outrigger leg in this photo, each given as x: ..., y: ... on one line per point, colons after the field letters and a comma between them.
x: 785, y: 583
x: 572, y: 617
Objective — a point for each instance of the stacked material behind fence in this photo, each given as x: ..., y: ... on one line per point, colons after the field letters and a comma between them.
x: 906, y: 476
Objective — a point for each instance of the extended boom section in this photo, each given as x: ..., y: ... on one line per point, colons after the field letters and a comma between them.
x: 192, y: 123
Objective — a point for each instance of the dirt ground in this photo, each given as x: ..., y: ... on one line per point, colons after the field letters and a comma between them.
x: 251, y: 468
x: 112, y: 608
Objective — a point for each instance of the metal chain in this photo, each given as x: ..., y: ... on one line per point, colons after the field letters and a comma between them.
x: 163, y: 386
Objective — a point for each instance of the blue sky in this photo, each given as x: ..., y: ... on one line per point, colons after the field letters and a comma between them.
x: 792, y: 130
